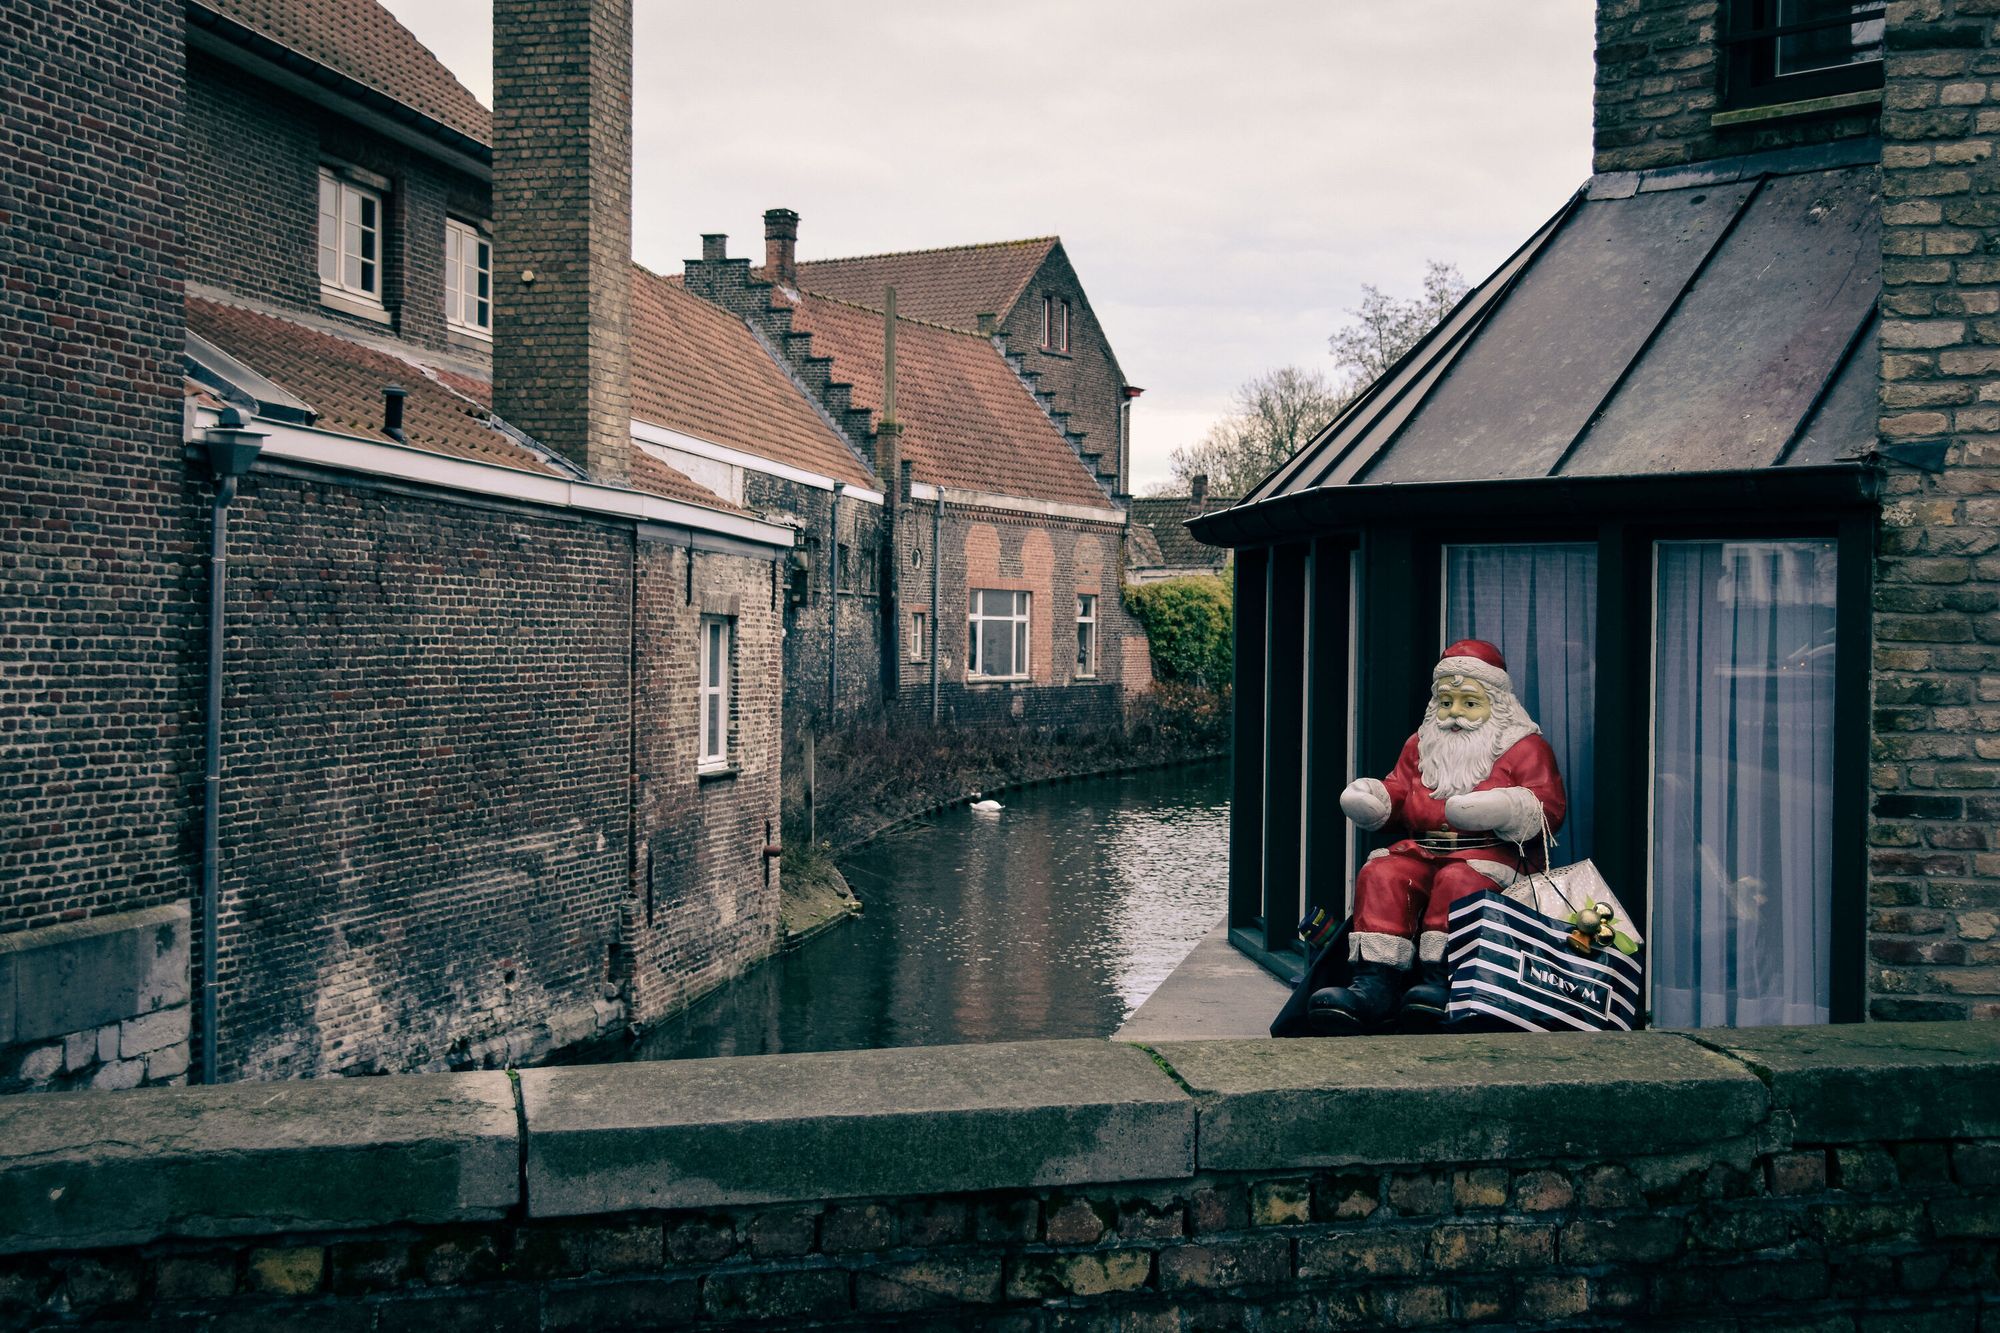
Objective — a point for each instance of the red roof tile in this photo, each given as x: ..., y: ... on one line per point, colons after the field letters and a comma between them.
x: 699, y: 370
x: 953, y: 286
x: 446, y: 411
x: 968, y: 421
x: 362, y: 40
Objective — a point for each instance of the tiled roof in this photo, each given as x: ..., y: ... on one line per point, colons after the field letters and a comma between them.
x: 1164, y: 518
x: 952, y: 286
x: 701, y: 371
x: 363, y: 41
x: 968, y: 421
x: 446, y: 411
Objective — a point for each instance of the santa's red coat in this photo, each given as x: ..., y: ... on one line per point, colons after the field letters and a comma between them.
x: 1528, y: 762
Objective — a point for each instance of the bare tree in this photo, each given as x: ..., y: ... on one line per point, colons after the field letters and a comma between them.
x: 1277, y: 413
x: 1382, y: 328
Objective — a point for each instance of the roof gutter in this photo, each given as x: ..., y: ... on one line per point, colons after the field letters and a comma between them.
x: 923, y: 490
x: 272, y: 61
x: 347, y: 453
x: 1821, y: 487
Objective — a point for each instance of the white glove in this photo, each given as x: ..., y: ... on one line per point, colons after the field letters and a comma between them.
x: 1366, y: 802
x: 1511, y: 812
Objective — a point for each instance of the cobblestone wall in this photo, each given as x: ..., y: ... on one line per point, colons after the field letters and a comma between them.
x: 1935, y: 868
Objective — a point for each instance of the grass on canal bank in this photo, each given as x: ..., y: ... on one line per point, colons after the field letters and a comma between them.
x: 813, y: 896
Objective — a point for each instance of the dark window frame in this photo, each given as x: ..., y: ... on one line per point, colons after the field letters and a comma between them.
x: 1397, y: 619
x: 1748, y: 47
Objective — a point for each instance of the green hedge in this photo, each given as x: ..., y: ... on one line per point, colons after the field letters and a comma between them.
x: 1188, y: 625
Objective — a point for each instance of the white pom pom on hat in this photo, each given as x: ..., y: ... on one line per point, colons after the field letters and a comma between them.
x: 1475, y: 659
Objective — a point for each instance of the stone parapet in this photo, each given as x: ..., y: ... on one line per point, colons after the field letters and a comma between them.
x: 96, y: 1003
x: 1818, y: 1177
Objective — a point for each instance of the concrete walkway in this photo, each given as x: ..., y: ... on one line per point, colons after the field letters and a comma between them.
x: 1215, y: 992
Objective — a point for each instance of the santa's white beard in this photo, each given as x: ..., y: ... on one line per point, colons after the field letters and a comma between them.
x: 1453, y: 758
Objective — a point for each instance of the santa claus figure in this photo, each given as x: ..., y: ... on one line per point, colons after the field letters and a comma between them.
x: 1468, y: 799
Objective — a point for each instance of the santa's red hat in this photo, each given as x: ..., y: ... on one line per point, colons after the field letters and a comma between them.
x: 1475, y: 659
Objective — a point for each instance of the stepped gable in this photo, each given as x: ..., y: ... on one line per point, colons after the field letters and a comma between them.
x: 952, y: 286
x: 699, y: 370
x: 362, y: 41
x: 446, y: 412
x: 968, y: 420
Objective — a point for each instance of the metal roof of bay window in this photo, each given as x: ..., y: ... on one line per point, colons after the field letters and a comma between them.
x: 1713, y: 321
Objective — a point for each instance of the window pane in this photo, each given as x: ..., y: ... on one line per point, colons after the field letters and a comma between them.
x: 1538, y: 604
x: 712, y: 737
x: 1828, y: 47
x: 351, y: 274
x: 972, y: 662
x: 715, y: 654
x: 1742, y: 782
x: 1020, y: 648
x: 999, y: 651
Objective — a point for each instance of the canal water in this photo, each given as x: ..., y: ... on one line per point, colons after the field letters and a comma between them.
x: 1055, y: 917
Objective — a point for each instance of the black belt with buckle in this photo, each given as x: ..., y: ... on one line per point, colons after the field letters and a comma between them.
x: 1456, y: 842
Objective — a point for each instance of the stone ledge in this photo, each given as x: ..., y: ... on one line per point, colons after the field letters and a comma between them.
x: 85, y: 974
x: 1875, y: 1081
x: 85, y: 1169
x: 1393, y: 1100
x: 777, y: 1128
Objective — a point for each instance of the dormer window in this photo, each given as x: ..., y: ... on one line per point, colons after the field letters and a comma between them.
x: 1055, y: 324
x: 350, y: 238
x: 1782, y: 51
x: 468, y: 280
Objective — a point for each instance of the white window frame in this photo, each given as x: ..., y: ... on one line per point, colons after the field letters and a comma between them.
x: 463, y: 301
x: 713, y: 726
x: 919, y: 632
x: 1086, y: 620
x: 1055, y: 324
x: 1017, y: 626
x: 364, y: 239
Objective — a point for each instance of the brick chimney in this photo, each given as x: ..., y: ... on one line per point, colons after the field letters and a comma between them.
x: 1198, y: 491
x: 781, y: 241
x: 562, y: 221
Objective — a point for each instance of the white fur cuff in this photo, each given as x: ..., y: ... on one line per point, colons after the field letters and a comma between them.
x: 1524, y: 814
x: 1365, y: 946
x: 1430, y: 946
x: 1366, y: 802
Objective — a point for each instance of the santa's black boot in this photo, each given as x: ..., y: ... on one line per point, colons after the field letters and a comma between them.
x: 1424, y: 1002
x: 1363, y: 1005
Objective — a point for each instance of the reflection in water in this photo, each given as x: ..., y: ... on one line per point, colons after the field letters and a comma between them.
x: 1054, y: 918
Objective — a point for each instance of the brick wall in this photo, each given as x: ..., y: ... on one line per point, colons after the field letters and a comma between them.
x: 562, y: 210
x: 1085, y: 382
x: 430, y: 741
x: 1658, y: 76
x: 253, y: 203
x: 1935, y: 870
x: 706, y: 903
x: 96, y: 551
x: 1052, y: 560
x: 808, y: 631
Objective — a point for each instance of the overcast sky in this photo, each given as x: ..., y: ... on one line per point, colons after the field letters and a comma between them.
x: 1224, y: 176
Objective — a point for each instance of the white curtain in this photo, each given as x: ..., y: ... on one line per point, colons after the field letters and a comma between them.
x: 1742, y: 783
x: 1537, y: 602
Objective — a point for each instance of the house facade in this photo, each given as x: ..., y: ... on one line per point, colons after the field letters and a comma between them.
x: 976, y: 579
x: 405, y: 707
x: 1705, y: 458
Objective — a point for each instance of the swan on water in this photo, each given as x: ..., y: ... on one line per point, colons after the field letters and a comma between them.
x: 986, y: 806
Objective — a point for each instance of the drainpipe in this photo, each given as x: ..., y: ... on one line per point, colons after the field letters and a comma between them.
x: 937, y: 560
x: 231, y: 451
x: 833, y: 607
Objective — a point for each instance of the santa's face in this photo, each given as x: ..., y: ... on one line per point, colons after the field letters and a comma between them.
x: 1459, y: 704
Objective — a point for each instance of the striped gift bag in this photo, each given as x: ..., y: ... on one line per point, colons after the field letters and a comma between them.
x: 1512, y: 969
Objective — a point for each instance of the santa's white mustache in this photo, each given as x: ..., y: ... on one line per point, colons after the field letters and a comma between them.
x: 1457, y: 724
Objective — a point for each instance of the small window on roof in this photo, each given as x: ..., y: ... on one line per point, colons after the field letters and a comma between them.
x: 1797, y: 50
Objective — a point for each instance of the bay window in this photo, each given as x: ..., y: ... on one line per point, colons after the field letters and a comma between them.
x: 998, y: 631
